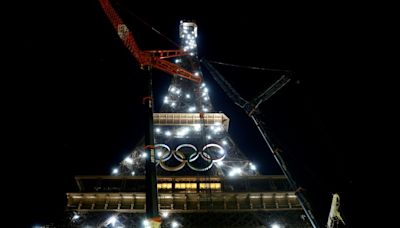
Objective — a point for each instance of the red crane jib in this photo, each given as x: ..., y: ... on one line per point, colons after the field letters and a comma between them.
x: 146, y: 58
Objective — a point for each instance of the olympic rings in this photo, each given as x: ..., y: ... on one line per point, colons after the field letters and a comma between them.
x: 188, y: 154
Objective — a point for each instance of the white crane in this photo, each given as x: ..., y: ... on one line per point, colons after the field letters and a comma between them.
x: 334, y: 214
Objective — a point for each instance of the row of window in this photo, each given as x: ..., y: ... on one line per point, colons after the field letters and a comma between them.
x: 216, y: 186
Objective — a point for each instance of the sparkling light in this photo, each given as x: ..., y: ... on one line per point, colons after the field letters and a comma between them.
x: 164, y: 214
x: 183, y: 132
x: 75, y: 217
x: 129, y: 160
x: 275, y: 226
x: 146, y: 223
x: 197, y: 127
x: 115, y: 171
x: 112, y: 220
x: 235, y: 171
x: 174, y: 224
x: 166, y: 100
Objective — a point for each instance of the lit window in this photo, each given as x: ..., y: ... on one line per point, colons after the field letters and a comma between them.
x: 185, y: 186
x: 210, y: 185
x: 164, y: 186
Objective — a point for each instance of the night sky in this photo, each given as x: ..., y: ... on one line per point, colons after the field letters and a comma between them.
x: 76, y: 106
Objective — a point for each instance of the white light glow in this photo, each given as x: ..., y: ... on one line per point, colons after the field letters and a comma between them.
x: 197, y: 127
x: 174, y: 224
x: 187, y: 95
x: 217, y: 129
x: 196, y: 74
x: 112, y: 220
x: 183, y: 132
x: 164, y: 214
x: 144, y: 155
x: 115, y: 171
x: 208, y: 136
x: 252, y: 166
x: 75, y: 217
x: 224, y: 142
x: 146, y: 223
x: 173, y: 104
x: 192, y: 109
x: 275, y: 226
x: 178, y: 60
x: 133, y: 173
x: 220, y: 163
x: 129, y: 160
x: 158, y: 130
x: 168, y: 133
x: 235, y: 171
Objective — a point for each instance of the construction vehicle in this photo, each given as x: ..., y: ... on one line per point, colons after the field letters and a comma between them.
x: 334, y: 215
x: 250, y: 107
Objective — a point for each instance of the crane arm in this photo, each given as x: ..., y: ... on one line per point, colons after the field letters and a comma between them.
x: 175, y: 69
x: 249, y: 108
x: 146, y: 58
x: 275, y: 87
x: 123, y: 32
x: 225, y: 85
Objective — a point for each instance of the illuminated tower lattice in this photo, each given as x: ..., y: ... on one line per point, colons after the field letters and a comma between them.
x: 190, y: 137
x: 204, y: 180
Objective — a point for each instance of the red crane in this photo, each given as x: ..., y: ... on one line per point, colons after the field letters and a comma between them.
x: 147, y: 60
x: 153, y: 58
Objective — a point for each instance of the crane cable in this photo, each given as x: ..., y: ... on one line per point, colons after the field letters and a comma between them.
x: 147, y: 24
x: 248, y: 67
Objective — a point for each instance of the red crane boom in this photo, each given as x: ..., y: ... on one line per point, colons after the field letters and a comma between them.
x: 146, y: 58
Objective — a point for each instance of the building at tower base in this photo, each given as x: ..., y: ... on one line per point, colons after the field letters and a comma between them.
x: 186, y: 201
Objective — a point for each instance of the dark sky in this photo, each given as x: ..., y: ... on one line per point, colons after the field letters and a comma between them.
x: 76, y: 106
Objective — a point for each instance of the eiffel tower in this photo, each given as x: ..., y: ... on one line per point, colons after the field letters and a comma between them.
x: 203, y: 178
